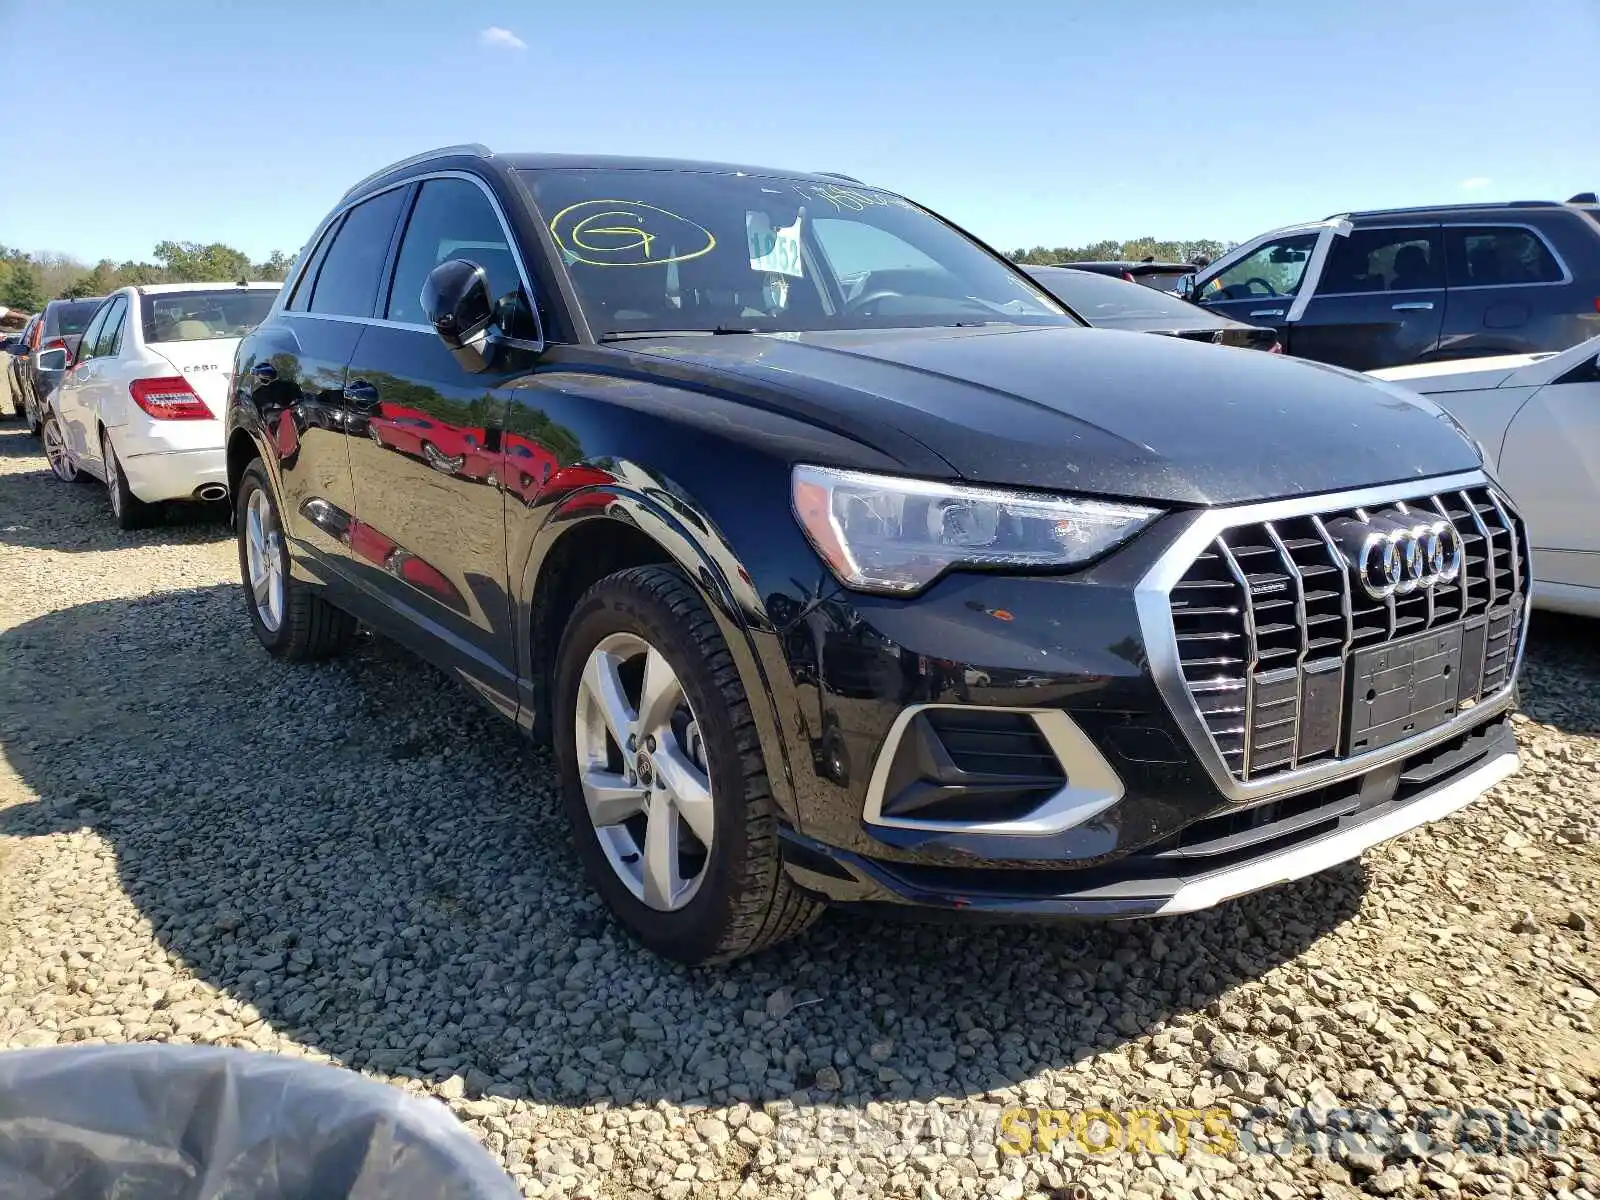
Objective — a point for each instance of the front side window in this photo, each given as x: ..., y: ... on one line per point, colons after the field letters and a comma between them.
x: 1496, y: 256
x: 452, y: 219
x: 1383, y: 260
x: 202, y: 315
x: 651, y: 251
x: 91, y: 334
x: 347, y: 282
x: 1274, y: 269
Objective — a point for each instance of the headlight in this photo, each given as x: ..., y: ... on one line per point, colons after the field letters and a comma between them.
x: 883, y: 534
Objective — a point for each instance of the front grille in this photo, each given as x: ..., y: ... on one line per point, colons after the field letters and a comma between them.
x: 1268, y: 618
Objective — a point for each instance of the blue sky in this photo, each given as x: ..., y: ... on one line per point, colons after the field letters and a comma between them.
x: 1029, y: 121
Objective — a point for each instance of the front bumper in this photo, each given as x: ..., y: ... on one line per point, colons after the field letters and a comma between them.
x: 1197, y: 872
x: 1136, y: 804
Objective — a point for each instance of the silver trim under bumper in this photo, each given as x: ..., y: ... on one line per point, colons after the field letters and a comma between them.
x: 1152, y: 598
x: 1336, y: 848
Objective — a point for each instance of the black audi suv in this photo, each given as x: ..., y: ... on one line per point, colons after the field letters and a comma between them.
x: 841, y: 563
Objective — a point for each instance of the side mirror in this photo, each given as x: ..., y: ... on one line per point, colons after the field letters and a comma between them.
x: 51, y: 360
x: 456, y: 299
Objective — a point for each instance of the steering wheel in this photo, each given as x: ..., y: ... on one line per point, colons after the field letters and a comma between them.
x: 872, y: 297
x: 1271, y: 291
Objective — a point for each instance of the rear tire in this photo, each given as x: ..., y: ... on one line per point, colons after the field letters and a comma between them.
x: 740, y: 899
x: 127, y: 510
x: 291, y: 620
x: 56, y: 453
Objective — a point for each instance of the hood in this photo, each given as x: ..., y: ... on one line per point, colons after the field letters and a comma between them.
x: 205, y: 364
x: 1099, y: 411
x: 1459, y: 375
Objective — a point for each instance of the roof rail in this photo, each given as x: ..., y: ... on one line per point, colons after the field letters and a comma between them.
x: 1585, y: 198
x: 841, y: 175
x: 476, y: 149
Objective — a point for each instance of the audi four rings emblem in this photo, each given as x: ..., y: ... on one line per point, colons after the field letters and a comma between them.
x: 1397, y: 553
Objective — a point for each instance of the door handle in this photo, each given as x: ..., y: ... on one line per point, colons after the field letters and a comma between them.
x: 1267, y: 312
x: 1415, y: 306
x: 264, y: 372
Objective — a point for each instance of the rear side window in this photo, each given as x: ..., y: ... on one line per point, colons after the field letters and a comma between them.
x: 347, y: 282
x: 109, y: 338
x: 452, y: 219
x: 1383, y: 260
x: 1499, y: 256
x: 202, y: 315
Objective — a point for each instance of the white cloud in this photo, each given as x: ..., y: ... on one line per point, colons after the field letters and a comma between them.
x: 1476, y: 184
x: 495, y: 36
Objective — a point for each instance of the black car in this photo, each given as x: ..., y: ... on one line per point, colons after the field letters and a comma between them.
x: 1147, y: 272
x: 1108, y: 303
x: 1398, y: 286
x: 61, y: 325
x: 841, y: 564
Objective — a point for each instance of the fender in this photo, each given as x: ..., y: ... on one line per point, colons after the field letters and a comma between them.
x: 626, y: 494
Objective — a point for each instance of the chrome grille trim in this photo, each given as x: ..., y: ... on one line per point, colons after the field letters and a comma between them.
x: 1153, y: 597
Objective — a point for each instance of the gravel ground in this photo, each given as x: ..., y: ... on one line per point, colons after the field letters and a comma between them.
x: 352, y: 862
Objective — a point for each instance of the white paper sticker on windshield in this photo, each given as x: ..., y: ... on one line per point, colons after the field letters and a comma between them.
x: 775, y: 250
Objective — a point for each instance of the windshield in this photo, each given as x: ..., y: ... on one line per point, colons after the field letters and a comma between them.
x: 199, y: 316
x: 73, y: 317
x: 697, y: 250
x: 1098, y: 298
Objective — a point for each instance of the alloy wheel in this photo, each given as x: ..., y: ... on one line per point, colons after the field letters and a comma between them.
x: 264, y: 557
x: 56, y: 453
x: 113, y: 477
x: 642, y: 766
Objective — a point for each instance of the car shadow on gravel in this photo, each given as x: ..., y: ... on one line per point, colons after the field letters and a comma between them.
x: 1561, y: 673
x: 40, y: 512
x: 378, y: 866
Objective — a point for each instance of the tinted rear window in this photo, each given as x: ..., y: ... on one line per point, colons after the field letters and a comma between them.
x: 199, y: 316
x: 71, y: 317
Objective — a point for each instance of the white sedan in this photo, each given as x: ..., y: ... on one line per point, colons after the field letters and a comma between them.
x: 1538, y: 418
x: 141, y: 406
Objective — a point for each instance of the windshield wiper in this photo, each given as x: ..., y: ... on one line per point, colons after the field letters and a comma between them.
x: 621, y: 335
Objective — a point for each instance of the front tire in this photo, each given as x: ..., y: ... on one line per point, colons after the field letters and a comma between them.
x: 662, y: 775
x: 127, y: 510
x: 291, y: 620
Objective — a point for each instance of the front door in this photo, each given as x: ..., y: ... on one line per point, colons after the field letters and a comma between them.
x: 71, y: 395
x: 1262, y: 287
x: 428, y: 474
x: 1378, y: 302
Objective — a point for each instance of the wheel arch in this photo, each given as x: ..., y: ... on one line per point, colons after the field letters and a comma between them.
x: 599, y: 530
x: 242, y: 451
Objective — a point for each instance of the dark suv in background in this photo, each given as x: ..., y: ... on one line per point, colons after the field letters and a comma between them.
x: 841, y: 563
x: 1398, y: 286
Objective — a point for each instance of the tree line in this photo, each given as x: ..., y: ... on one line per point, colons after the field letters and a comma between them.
x: 1133, y: 250
x: 29, y: 281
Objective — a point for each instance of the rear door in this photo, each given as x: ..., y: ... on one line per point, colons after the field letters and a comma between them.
x: 428, y: 474
x: 297, y: 371
x: 1379, y: 301
x: 1505, y: 280
x: 104, y: 377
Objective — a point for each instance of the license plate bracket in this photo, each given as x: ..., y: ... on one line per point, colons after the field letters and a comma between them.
x: 1402, y: 688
